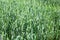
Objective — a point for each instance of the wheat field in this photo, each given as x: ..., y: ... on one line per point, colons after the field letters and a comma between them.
x: 29, y: 19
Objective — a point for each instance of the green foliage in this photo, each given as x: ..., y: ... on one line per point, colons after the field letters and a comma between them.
x: 30, y: 19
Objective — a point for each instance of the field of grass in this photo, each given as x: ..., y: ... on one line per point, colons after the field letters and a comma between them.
x: 29, y: 20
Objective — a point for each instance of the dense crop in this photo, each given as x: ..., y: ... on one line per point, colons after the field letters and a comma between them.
x: 29, y: 20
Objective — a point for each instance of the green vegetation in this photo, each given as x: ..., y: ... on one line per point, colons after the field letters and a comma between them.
x: 30, y: 19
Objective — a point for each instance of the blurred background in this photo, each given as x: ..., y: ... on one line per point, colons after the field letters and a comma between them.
x: 29, y: 19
